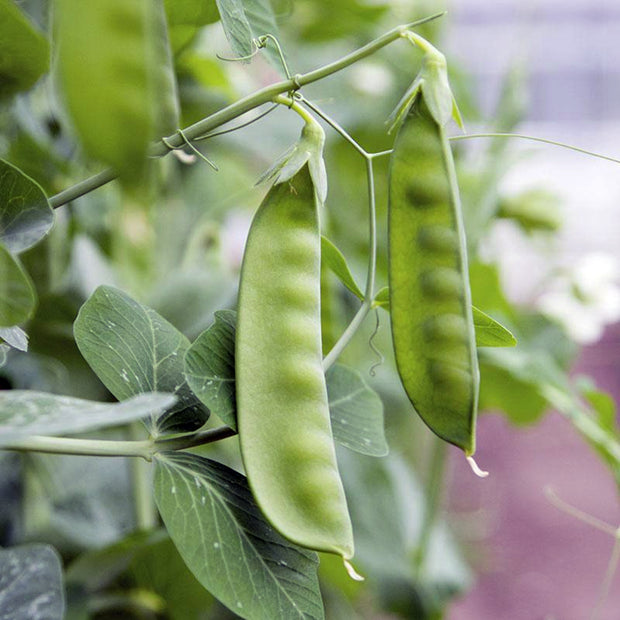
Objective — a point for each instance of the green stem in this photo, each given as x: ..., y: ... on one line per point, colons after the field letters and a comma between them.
x: 570, y: 147
x: 608, y: 579
x: 242, y: 106
x: 145, y: 510
x: 433, y: 493
x: 99, y: 447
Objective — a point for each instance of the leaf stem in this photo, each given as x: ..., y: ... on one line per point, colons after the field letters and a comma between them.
x: 145, y: 510
x: 243, y: 105
x: 100, y: 447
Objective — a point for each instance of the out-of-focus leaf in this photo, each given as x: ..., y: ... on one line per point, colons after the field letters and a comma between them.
x: 17, y: 294
x: 356, y: 412
x: 132, y: 349
x: 31, y: 584
x: 4, y: 349
x: 24, y: 51
x: 25, y: 214
x: 191, y: 12
x: 225, y: 541
x: 14, y: 337
x: 25, y: 412
x: 236, y: 26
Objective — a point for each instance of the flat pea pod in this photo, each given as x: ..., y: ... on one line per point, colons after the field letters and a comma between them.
x: 430, y: 298
x: 115, y: 76
x: 282, y: 408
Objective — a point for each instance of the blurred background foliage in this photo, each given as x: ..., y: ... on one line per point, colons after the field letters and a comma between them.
x: 179, y: 250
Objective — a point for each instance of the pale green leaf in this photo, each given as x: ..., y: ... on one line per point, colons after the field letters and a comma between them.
x: 24, y: 51
x: 14, y: 337
x: 337, y: 263
x: 236, y: 26
x: 356, y: 412
x: 210, y: 367
x: 26, y: 412
x: 262, y: 21
x: 25, y: 214
x: 382, y: 299
x: 225, y: 541
x: 31, y: 583
x: 132, y: 349
x: 490, y: 333
x: 17, y: 294
x: 4, y: 349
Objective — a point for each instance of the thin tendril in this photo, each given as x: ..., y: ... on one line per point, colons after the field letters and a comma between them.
x: 241, y: 126
x: 263, y: 43
x: 373, y: 346
x: 192, y: 147
x: 242, y: 58
x: 609, y: 575
x: 535, y: 139
x: 579, y: 514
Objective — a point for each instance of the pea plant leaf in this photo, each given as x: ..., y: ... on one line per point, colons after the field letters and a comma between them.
x: 4, y: 349
x: 236, y: 26
x: 355, y: 408
x: 335, y: 260
x: 14, y: 337
x: 490, y: 333
x: 190, y: 12
x: 25, y: 214
x: 225, y: 541
x: 24, y: 51
x: 356, y: 412
x: 27, y: 412
x: 132, y: 349
x: 210, y: 367
x: 17, y: 295
x: 382, y: 299
x: 31, y: 583
x: 262, y: 21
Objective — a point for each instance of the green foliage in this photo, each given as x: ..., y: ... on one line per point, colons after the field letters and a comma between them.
x: 134, y: 350
x: 17, y: 294
x: 24, y: 51
x: 31, y: 583
x: 227, y: 543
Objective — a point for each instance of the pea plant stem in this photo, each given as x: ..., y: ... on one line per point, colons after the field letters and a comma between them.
x: 240, y: 107
x: 98, y: 447
x: 144, y: 506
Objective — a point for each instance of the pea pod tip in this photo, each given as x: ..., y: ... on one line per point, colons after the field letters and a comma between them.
x: 474, y: 467
x: 352, y: 572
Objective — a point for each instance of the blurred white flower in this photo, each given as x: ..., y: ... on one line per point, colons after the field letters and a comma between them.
x: 371, y: 78
x: 233, y: 235
x: 585, y: 298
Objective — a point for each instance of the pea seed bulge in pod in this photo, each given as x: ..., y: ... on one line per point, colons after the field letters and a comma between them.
x: 309, y: 310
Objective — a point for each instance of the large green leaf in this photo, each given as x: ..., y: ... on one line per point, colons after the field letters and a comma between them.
x: 356, y: 412
x: 236, y: 26
x: 191, y: 12
x: 24, y: 51
x: 210, y: 367
x: 14, y: 337
x: 225, y: 541
x: 26, y: 412
x: 132, y: 349
x: 17, y: 294
x: 31, y: 584
x: 25, y: 214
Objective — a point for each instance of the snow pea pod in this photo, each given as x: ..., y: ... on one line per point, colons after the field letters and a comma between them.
x: 430, y: 299
x: 115, y: 75
x: 282, y: 408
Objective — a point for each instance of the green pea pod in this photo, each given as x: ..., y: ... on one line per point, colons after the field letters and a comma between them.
x: 282, y: 408
x: 430, y: 298
x: 115, y: 75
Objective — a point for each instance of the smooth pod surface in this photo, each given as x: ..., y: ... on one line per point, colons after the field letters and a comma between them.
x: 115, y: 76
x: 282, y: 406
x: 430, y: 299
